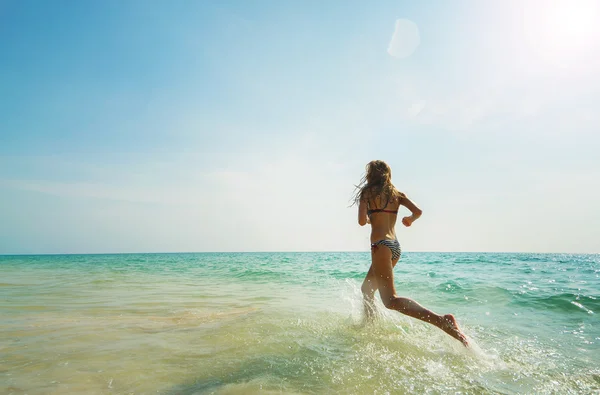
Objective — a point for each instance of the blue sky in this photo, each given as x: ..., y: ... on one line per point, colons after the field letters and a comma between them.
x: 134, y: 126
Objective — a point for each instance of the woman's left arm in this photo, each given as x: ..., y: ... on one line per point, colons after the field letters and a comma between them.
x: 363, y: 218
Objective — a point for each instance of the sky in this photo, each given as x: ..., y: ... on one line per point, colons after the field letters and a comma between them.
x: 190, y: 126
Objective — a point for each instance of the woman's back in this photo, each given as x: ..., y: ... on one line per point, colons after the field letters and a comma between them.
x: 382, y: 213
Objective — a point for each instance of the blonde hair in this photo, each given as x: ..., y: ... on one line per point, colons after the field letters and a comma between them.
x: 377, y: 182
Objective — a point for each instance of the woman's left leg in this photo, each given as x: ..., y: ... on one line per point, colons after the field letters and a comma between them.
x: 369, y: 287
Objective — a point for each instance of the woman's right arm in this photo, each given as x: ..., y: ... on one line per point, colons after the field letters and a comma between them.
x: 416, y: 212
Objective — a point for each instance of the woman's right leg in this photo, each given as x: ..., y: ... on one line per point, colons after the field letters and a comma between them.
x: 383, y: 272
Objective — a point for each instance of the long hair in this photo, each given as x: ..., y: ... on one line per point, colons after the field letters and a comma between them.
x: 377, y: 182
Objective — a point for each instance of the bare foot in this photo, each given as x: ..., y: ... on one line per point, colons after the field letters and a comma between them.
x: 450, y: 326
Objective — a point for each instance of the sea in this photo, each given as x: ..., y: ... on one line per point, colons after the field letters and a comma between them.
x: 292, y: 323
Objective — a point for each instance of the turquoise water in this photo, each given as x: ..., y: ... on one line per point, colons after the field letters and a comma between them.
x: 292, y: 323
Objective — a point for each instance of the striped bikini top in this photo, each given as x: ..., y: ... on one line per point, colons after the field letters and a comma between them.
x: 381, y: 210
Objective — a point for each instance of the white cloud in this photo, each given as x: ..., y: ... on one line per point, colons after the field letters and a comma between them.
x: 293, y: 196
x: 506, y: 99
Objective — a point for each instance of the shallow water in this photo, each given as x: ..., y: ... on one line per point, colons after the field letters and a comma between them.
x: 292, y: 323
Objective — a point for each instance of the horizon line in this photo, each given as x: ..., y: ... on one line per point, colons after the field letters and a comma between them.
x: 286, y: 252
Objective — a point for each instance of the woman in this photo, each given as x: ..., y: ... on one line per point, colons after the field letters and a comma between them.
x: 378, y: 203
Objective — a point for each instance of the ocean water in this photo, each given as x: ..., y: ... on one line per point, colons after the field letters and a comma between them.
x: 291, y: 323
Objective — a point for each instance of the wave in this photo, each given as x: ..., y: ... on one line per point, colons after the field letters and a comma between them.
x: 566, y: 302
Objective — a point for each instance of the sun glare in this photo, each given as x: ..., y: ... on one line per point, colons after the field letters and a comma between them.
x: 561, y: 29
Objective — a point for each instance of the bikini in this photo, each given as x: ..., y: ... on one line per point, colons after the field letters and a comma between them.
x: 393, y: 245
